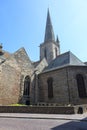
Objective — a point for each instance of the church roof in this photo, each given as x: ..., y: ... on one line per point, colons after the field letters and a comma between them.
x: 65, y: 59
x: 23, y: 59
x: 49, y: 33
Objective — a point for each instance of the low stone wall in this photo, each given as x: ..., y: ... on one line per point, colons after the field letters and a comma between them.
x: 44, y: 109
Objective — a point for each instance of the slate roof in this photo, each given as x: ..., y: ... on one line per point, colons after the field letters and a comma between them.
x: 65, y: 59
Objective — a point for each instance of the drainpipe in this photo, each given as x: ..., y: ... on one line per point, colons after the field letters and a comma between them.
x: 35, y: 77
x: 35, y: 85
x: 68, y: 84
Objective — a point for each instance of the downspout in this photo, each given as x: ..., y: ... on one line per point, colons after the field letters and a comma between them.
x: 35, y: 86
x: 68, y: 83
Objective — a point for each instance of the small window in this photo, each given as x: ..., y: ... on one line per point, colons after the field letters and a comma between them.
x: 50, y: 87
x: 81, y: 86
x: 27, y: 86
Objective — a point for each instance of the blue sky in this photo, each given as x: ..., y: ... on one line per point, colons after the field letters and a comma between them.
x: 22, y: 24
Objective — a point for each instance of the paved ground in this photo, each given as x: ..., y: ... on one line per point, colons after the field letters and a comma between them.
x: 10, y: 121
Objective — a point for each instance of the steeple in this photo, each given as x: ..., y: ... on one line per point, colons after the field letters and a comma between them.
x: 49, y: 33
x: 50, y: 48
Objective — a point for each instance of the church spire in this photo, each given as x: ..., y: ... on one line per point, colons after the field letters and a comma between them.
x: 49, y: 33
x: 50, y: 48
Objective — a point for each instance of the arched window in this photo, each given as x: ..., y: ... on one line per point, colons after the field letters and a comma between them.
x: 45, y: 53
x: 27, y: 86
x: 56, y: 52
x: 81, y: 86
x: 50, y: 87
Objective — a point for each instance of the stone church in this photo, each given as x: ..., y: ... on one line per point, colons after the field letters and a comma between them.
x: 55, y: 78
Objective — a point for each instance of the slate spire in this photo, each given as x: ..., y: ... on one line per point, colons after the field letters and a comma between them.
x: 49, y: 33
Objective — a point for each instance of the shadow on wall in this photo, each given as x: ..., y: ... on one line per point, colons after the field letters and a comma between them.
x: 73, y: 125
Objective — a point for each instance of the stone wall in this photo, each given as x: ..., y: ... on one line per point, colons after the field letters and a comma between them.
x: 12, y: 75
x: 80, y: 109
x: 9, y: 84
x: 37, y: 109
x: 38, y: 69
x: 27, y: 69
x: 60, y: 87
x: 72, y: 71
x: 65, y: 90
x: 49, y: 49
